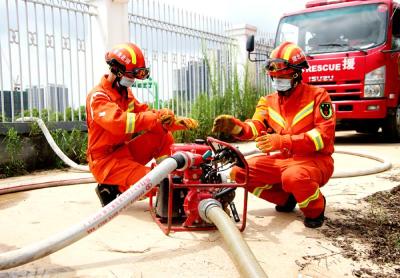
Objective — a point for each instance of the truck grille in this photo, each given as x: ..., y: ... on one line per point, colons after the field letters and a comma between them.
x: 344, y: 90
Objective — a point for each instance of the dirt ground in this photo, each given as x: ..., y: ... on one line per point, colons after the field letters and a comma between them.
x: 376, y: 228
x: 360, y: 238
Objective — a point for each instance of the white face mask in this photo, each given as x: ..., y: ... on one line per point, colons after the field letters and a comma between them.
x: 126, y: 82
x: 282, y: 84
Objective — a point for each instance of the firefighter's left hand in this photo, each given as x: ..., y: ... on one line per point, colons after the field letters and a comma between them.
x: 269, y: 142
x: 187, y: 123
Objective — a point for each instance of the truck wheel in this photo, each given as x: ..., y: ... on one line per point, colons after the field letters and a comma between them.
x: 391, y: 129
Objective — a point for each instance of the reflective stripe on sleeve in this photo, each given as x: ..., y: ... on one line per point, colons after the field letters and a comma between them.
x: 316, y: 137
x: 131, y: 106
x: 253, y: 129
x: 313, y: 197
x: 130, y: 122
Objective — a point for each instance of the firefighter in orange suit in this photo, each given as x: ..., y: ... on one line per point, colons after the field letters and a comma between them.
x: 124, y: 134
x: 297, y: 121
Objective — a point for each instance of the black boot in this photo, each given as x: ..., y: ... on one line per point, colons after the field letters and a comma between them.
x: 288, y: 206
x: 107, y: 193
x: 316, y: 222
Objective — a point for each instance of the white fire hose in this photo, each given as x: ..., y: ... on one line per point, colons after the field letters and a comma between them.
x: 211, y: 211
x: 180, y: 160
x: 383, y: 166
x: 53, y: 144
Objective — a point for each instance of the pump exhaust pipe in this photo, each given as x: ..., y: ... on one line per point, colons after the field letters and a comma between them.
x: 211, y: 211
x: 180, y: 160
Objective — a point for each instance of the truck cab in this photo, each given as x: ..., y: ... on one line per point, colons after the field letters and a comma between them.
x: 353, y: 51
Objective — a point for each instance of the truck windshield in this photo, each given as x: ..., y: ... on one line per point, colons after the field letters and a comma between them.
x: 336, y: 30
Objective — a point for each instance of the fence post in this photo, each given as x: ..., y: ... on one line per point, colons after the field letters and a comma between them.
x: 111, y: 27
x: 240, y: 33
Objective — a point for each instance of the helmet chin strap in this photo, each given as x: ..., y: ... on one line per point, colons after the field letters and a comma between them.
x: 115, y: 83
x: 122, y: 90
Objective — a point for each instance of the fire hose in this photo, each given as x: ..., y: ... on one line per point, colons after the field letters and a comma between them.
x: 53, y: 144
x: 211, y: 211
x: 383, y: 166
x: 58, y: 241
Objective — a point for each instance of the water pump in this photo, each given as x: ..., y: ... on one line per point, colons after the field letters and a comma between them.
x: 177, y: 197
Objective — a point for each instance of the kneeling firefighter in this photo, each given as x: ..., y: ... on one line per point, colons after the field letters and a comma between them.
x: 124, y: 134
x: 303, y: 124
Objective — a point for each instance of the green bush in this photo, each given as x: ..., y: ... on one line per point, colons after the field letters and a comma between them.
x: 13, y: 144
x: 237, y: 99
x: 73, y: 144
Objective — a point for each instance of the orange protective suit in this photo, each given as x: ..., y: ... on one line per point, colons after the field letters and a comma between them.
x: 123, y: 136
x: 304, y: 163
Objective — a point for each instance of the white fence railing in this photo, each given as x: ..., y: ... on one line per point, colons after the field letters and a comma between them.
x: 47, y: 51
x: 263, y: 44
x: 45, y: 58
x: 185, y: 51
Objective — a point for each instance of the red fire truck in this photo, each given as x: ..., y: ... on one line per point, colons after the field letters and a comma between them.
x: 353, y: 49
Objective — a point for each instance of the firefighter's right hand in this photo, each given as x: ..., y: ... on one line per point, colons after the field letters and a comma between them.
x: 183, y: 123
x: 227, y: 124
x: 166, y: 116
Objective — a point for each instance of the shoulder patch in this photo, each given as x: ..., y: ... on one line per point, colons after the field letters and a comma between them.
x: 325, y: 109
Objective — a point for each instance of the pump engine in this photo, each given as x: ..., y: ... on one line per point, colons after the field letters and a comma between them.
x: 178, y: 196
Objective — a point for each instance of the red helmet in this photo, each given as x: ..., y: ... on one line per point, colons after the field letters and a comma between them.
x: 127, y: 60
x: 287, y: 58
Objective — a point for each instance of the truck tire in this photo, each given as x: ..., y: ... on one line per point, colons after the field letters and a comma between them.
x: 391, y: 128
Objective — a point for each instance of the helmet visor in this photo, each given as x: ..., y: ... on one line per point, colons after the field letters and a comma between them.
x: 275, y: 65
x: 139, y: 73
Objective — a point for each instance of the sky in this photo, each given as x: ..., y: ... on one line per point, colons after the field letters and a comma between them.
x: 264, y: 14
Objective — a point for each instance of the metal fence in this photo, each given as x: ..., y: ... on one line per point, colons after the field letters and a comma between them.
x: 189, y: 54
x: 185, y: 51
x: 46, y: 64
x: 263, y: 44
x: 46, y: 57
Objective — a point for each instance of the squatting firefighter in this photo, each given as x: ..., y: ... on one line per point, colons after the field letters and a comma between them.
x: 124, y: 134
x: 297, y: 121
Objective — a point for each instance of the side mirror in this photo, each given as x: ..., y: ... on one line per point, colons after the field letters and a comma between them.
x: 250, y: 43
x: 254, y: 57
